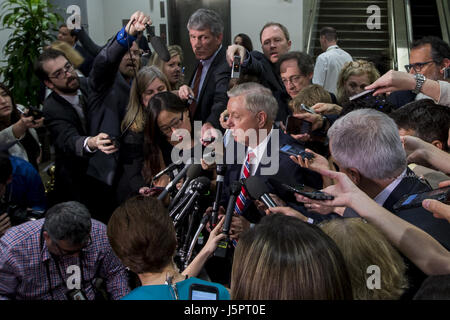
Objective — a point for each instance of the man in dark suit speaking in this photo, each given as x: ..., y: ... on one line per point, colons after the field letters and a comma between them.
x: 256, y: 149
x: 212, y: 75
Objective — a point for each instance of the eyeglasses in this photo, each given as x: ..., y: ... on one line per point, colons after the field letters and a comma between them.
x: 175, y: 124
x: 292, y: 79
x: 417, y: 66
x: 61, y: 73
x: 64, y: 253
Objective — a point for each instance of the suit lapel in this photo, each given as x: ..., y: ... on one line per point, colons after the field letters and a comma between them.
x: 408, y: 185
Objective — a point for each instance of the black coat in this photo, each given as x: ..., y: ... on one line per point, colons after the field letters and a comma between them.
x: 108, y: 100
x: 288, y: 172
x: 213, y: 98
x: 68, y: 136
x: 269, y: 77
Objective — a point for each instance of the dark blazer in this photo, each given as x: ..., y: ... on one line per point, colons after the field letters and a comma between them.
x: 400, y: 98
x: 108, y: 100
x: 213, y: 98
x: 86, y: 66
x: 288, y: 172
x: 269, y: 77
x: 421, y: 218
x: 68, y: 135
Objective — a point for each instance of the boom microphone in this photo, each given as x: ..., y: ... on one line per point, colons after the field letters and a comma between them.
x: 258, y: 190
x: 169, y: 168
x: 158, y: 44
x: 222, y: 246
x: 174, y: 182
x: 193, y: 172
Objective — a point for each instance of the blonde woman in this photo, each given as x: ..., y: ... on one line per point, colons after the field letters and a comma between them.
x: 354, y: 78
x: 172, y: 68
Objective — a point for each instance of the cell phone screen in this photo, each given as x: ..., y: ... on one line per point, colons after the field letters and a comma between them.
x: 203, y: 295
x: 415, y: 200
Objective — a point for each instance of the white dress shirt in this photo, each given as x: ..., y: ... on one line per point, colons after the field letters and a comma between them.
x: 328, y: 66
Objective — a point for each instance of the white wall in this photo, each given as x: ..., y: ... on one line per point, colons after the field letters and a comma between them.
x: 114, y: 11
x: 250, y: 16
x: 96, y: 21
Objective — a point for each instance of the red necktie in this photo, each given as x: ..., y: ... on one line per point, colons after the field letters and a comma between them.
x: 198, y: 76
x: 243, y: 198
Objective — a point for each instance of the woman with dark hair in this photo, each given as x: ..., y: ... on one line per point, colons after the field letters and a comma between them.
x: 17, y: 132
x: 167, y: 126
x: 244, y: 40
x: 283, y: 258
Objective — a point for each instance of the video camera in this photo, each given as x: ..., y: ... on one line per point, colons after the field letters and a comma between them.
x: 18, y: 215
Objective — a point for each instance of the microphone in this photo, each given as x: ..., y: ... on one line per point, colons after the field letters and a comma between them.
x: 222, y: 246
x: 158, y: 44
x: 171, y: 167
x: 174, y: 182
x: 200, y: 187
x: 193, y: 172
x: 221, y: 171
x: 258, y: 190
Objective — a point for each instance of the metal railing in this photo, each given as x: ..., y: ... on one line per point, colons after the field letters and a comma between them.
x: 400, y: 31
x: 311, y: 24
x: 444, y: 12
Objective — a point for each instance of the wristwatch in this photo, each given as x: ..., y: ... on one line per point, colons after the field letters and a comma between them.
x: 420, y: 80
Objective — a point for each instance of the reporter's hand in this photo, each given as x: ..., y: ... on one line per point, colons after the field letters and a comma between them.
x: 288, y: 211
x: 439, y: 209
x: 209, y: 134
x: 184, y: 92
x: 222, y: 121
x: 345, y: 192
x: 416, y: 149
x: 315, y: 119
x: 137, y: 23
x: 319, y: 161
x: 393, y: 81
x: 220, y: 215
x: 234, y: 50
x: 103, y: 143
x: 5, y: 224
x: 327, y: 108
x: 215, y: 237
x: 238, y: 225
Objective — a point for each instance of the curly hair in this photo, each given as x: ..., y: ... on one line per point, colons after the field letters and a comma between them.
x: 354, y: 68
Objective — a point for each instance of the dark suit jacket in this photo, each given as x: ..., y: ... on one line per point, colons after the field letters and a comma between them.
x: 86, y: 66
x: 269, y: 76
x: 288, y: 172
x: 422, y: 219
x: 68, y: 137
x: 400, y: 98
x: 108, y: 100
x: 213, y: 98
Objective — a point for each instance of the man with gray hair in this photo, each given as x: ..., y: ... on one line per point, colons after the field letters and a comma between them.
x: 252, y: 111
x: 255, y: 151
x: 211, y: 78
x: 65, y: 256
x: 366, y: 147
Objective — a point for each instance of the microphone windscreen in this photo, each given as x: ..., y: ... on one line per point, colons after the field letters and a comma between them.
x: 194, y: 171
x: 203, y: 184
x: 256, y: 187
x: 160, y: 48
x: 235, y: 188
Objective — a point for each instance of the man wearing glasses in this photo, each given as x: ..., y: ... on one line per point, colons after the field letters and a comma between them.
x: 66, y: 119
x: 428, y: 59
x: 61, y: 257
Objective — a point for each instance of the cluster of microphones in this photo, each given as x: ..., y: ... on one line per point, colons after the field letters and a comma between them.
x: 185, y: 207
